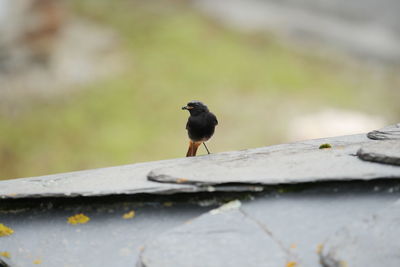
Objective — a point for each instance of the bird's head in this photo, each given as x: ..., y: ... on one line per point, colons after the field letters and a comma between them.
x: 195, y: 107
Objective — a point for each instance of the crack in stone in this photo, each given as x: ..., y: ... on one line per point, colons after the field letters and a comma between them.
x: 265, y: 229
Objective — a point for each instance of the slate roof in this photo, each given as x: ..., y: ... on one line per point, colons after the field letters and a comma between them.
x: 283, y: 205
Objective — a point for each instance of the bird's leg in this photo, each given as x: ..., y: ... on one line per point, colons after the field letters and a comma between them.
x: 206, y: 147
x: 190, y: 150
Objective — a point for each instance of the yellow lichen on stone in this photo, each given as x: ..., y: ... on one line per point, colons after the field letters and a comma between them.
x: 167, y: 204
x: 38, y: 261
x: 5, y: 231
x: 323, y: 146
x: 129, y: 215
x: 78, y: 219
x: 319, y: 248
x: 291, y: 264
x: 281, y: 190
x: 5, y: 254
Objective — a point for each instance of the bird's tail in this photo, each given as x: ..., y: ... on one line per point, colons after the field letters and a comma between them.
x: 192, y: 148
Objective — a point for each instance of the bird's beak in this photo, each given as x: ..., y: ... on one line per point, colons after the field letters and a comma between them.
x: 187, y: 108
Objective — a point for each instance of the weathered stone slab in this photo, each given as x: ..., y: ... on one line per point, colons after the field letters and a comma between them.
x: 302, y: 221
x: 107, y: 239
x: 387, y: 152
x: 222, y: 237
x: 281, y: 164
x: 128, y: 179
x: 388, y: 133
x: 296, y: 221
x: 366, y: 243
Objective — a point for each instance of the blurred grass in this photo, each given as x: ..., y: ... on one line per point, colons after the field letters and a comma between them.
x: 252, y: 82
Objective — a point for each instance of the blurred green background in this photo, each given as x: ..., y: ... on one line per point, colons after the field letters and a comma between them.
x: 255, y: 83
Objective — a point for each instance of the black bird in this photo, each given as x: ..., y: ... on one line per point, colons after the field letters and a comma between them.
x: 200, y: 126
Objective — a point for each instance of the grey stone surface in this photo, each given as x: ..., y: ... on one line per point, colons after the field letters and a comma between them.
x: 289, y: 223
x: 42, y: 233
x: 218, y: 238
x: 371, y: 242
x: 388, y: 133
x: 289, y: 163
x: 303, y: 221
x: 387, y: 152
x: 128, y: 179
x: 282, y: 227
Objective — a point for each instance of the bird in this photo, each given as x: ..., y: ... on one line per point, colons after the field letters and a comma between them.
x: 200, y: 126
